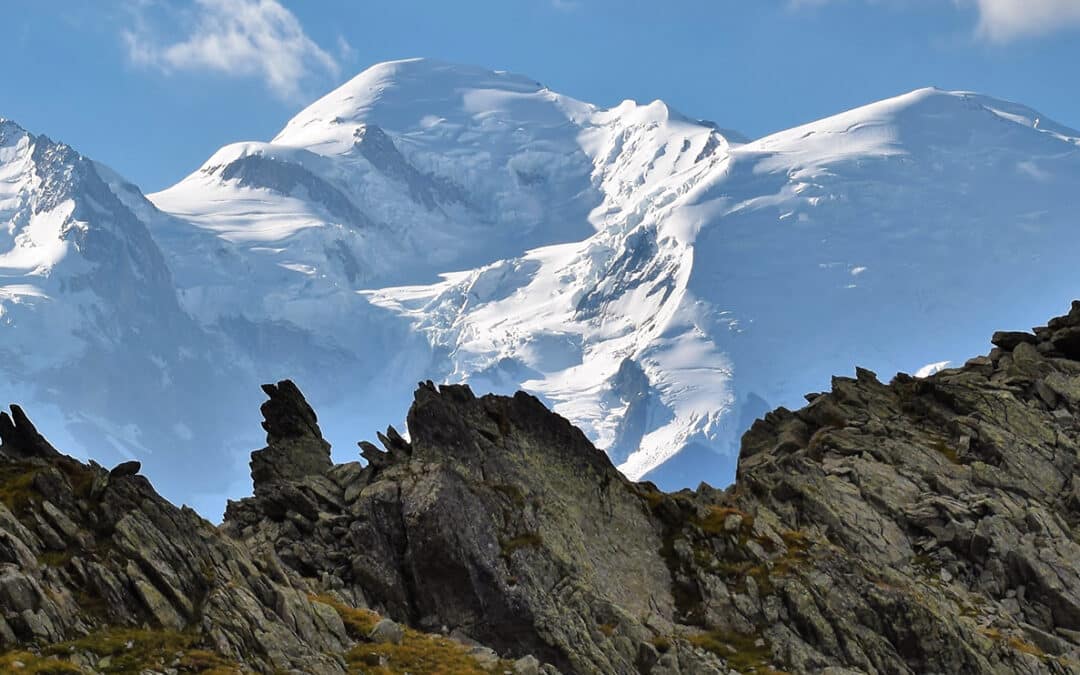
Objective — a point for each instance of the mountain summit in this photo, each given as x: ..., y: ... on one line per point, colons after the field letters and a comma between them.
x: 657, y: 280
x: 418, y: 94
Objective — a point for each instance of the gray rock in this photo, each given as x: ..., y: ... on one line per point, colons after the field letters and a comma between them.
x: 924, y: 525
x: 387, y: 631
x: 1008, y: 340
x: 486, y: 658
x: 295, y: 447
x: 125, y: 469
x: 527, y: 665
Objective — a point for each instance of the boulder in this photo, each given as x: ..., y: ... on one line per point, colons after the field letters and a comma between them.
x: 387, y: 631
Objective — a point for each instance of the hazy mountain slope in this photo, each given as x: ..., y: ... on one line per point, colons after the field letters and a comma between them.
x: 91, y: 323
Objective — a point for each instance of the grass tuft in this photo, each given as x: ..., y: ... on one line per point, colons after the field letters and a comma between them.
x: 744, y: 653
x: 133, y: 650
x: 529, y: 540
x: 713, y: 522
x: 947, y: 451
x: 33, y: 664
x: 17, y: 490
x: 358, y: 622
x: 418, y: 654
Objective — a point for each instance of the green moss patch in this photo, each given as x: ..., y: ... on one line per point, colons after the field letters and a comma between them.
x: 131, y: 650
x: 17, y: 490
x: 528, y: 540
x: 418, y: 654
x: 744, y: 653
x: 358, y: 622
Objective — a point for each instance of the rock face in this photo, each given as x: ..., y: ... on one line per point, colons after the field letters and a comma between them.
x: 85, y: 552
x: 921, y: 526
x: 499, y: 521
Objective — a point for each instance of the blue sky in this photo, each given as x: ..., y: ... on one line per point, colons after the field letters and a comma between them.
x: 153, y: 87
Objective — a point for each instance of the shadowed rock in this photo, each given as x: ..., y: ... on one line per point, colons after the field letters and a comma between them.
x: 295, y: 447
x: 19, y: 437
x: 125, y: 469
x: 98, y: 556
x: 920, y: 526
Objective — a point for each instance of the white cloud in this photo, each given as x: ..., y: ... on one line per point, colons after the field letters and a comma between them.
x: 1005, y: 20
x: 998, y: 20
x: 240, y: 38
x: 345, y: 50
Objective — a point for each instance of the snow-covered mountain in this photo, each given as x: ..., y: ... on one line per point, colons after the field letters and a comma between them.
x: 658, y: 280
x: 416, y: 168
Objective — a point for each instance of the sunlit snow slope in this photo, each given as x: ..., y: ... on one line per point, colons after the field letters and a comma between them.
x: 416, y: 168
x: 890, y: 236
x: 658, y: 280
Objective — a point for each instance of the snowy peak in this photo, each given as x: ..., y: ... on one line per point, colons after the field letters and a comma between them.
x: 395, y: 176
x: 40, y: 191
x: 78, y: 268
x: 55, y: 201
x: 90, y: 318
x: 541, y: 212
x: 918, y: 123
x: 11, y: 133
x: 415, y: 95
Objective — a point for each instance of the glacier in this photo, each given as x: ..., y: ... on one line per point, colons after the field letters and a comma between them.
x: 656, y: 279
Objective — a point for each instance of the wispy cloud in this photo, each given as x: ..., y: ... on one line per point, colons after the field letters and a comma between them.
x: 239, y: 38
x: 999, y: 21
x: 1006, y: 20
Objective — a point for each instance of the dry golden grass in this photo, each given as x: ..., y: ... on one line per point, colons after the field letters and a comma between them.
x: 32, y: 664
x: 418, y: 654
x: 130, y: 650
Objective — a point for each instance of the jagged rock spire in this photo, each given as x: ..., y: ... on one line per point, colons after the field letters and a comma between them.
x: 287, y: 413
x: 20, y: 438
x: 295, y: 447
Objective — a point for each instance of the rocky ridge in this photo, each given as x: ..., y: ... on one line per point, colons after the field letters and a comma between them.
x: 920, y: 526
